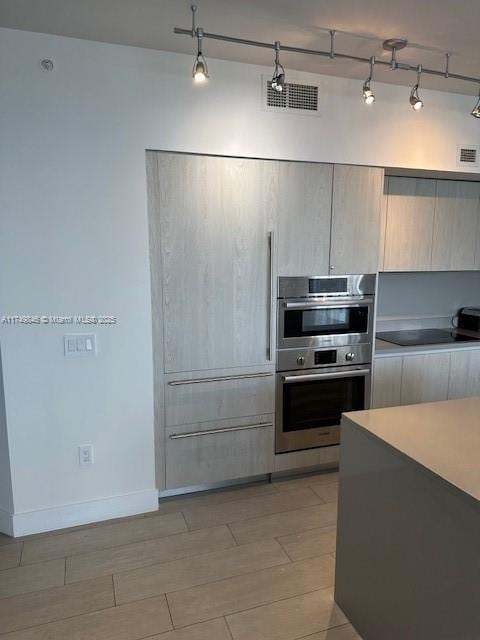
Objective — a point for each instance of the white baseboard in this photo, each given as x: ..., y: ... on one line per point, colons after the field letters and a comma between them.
x: 6, y: 522
x: 71, y: 515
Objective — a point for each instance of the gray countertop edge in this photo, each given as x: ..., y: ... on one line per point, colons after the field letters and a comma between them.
x: 384, y: 349
x: 450, y: 486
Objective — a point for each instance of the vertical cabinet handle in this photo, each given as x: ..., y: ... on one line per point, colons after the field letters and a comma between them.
x: 269, y: 296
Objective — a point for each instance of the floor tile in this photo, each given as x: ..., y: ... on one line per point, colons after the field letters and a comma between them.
x: 128, y: 622
x: 61, y: 545
x: 33, y: 577
x: 198, y: 517
x: 309, y: 480
x: 141, y: 554
x: 189, y: 572
x: 251, y: 590
x: 288, y: 619
x: 44, y: 606
x: 311, y: 543
x: 280, y: 524
x: 211, y: 630
x: 345, y: 632
x: 328, y: 492
x: 10, y: 555
x: 204, y: 498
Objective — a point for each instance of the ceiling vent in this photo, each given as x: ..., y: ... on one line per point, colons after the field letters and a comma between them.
x: 295, y: 98
x: 468, y: 156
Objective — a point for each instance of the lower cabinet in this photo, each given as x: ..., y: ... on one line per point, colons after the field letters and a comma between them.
x: 207, y: 452
x: 464, y: 374
x: 425, y: 378
x: 194, y: 397
x: 387, y: 382
x: 413, y: 379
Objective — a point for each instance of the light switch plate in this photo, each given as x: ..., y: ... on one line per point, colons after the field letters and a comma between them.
x: 79, y: 345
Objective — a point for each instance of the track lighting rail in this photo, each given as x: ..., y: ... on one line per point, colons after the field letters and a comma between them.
x: 332, y: 54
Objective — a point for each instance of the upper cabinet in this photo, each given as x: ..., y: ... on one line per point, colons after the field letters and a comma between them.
x: 432, y: 225
x: 304, y: 216
x: 455, y: 227
x: 216, y: 221
x: 409, y: 226
x: 356, y: 219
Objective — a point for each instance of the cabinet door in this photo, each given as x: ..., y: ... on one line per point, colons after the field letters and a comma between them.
x: 387, y: 382
x: 217, y: 451
x: 304, y: 217
x: 409, y: 230
x: 356, y: 219
x: 464, y: 374
x: 425, y: 378
x: 455, y: 225
x: 215, y: 219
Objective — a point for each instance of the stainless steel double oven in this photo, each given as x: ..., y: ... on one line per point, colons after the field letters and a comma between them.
x: 324, y: 356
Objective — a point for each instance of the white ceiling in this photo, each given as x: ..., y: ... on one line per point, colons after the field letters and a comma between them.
x: 432, y: 27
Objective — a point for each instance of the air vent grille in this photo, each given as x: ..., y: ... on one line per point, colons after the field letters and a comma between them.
x: 468, y: 156
x: 295, y: 97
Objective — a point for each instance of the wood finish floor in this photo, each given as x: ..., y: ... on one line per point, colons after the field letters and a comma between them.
x: 247, y: 563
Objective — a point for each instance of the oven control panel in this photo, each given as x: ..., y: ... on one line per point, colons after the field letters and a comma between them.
x: 292, y: 359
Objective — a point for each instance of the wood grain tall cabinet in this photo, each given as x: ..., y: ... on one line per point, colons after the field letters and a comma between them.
x: 215, y: 220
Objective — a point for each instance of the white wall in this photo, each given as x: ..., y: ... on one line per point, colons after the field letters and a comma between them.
x: 6, y: 494
x: 73, y: 236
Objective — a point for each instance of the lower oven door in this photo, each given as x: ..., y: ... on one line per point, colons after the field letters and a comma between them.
x: 310, y: 404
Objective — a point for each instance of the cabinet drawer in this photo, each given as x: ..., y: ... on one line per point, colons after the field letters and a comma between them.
x: 190, y: 400
x: 216, y: 451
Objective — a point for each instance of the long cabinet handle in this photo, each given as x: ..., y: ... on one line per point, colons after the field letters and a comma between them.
x: 271, y: 239
x: 240, y: 376
x: 195, y: 434
x: 330, y: 303
x: 356, y: 373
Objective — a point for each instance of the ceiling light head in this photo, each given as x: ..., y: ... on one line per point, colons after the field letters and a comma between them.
x: 475, y: 112
x: 278, y: 78
x: 368, y: 95
x: 200, y: 68
x: 415, y: 101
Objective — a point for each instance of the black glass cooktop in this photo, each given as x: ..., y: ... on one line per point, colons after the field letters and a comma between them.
x: 416, y: 337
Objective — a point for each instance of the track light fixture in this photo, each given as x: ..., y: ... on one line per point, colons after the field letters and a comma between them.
x: 278, y: 82
x: 278, y: 78
x: 368, y: 95
x: 200, y: 68
x: 415, y: 100
x: 475, y: 112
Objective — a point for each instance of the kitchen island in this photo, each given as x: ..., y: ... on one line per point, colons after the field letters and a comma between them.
x: 408, y: 541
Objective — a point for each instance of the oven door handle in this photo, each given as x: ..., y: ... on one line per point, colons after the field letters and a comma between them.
x: 330, y: 304
x: 356, y: 373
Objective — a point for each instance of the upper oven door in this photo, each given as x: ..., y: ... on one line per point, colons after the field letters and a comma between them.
x: 324, y: 323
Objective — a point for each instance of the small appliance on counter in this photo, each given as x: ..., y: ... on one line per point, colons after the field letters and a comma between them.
x: 324, y: 356
x: 468, y: 319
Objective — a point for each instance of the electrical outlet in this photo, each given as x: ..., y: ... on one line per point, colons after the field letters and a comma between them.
x: 85, y: 454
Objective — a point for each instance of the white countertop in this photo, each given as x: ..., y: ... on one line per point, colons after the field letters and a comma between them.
x: 443, y: 437
x: 384, y: 349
